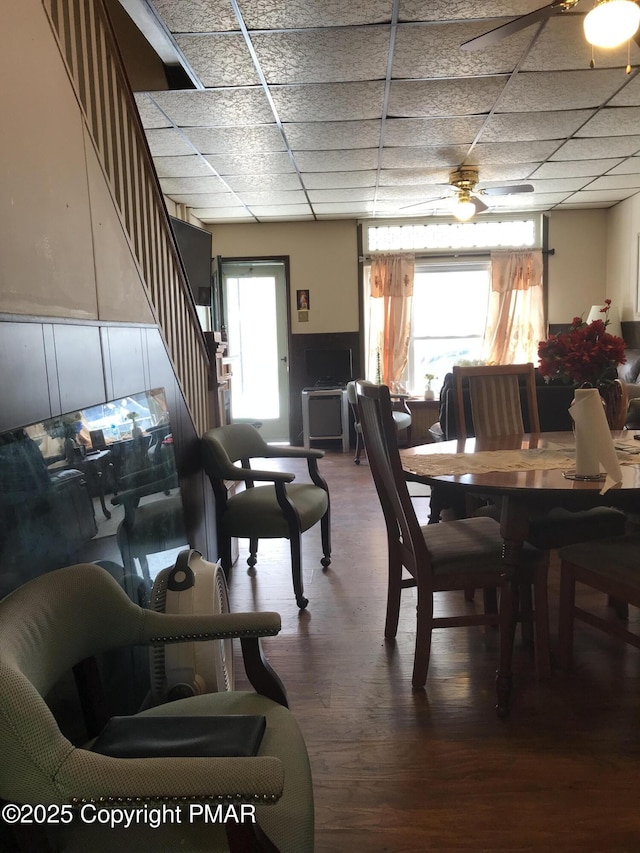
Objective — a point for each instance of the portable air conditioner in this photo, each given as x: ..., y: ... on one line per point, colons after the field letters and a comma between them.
x: 179, y: 670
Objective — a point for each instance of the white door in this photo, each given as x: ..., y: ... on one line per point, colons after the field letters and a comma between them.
x: 255, y: 299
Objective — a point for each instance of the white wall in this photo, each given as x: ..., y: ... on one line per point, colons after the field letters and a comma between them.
x: 323, y: 259
x: 623, y: 236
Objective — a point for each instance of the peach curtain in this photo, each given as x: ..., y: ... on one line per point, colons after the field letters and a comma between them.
x: 515, y: 318
x: 391, y: 281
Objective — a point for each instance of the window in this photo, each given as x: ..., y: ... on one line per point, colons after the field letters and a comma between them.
x: 448, y: 320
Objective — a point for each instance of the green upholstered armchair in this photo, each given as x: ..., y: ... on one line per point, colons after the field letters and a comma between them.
x: 281, y: 510
x: 61, y: 620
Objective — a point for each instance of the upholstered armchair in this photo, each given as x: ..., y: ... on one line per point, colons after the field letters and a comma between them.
x: 62, y: 620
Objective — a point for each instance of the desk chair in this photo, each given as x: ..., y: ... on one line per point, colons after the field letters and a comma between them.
x: 496, y: 410
x: 448, y: 556
x: 610, y: 566
x: 283, y: 510
x: 60, y: 621
x: 401, y: 416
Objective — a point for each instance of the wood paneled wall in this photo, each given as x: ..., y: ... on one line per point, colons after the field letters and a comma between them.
x: 88, y: 47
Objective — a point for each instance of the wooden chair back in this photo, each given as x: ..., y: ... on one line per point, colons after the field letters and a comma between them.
x: 494, y: 393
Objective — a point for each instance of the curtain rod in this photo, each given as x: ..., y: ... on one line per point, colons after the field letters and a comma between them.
x: 454, y: 254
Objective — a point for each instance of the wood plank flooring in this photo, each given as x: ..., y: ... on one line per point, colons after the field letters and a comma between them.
x: 400, y: 771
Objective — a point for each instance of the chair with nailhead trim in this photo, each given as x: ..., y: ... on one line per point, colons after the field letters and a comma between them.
x: 61, y: 621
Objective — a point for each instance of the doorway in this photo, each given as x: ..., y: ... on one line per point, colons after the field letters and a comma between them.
x: 256, y: 307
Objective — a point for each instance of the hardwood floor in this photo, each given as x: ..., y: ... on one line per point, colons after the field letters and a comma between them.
x: 400, y: 771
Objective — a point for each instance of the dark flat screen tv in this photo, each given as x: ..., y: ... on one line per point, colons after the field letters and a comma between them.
x: 326, y: 368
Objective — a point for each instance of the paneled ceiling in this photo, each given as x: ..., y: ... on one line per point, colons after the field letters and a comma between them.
x: 325, y: 109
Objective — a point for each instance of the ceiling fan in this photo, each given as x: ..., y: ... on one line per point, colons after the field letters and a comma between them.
x: 467, y: 199
x: 608, y: 24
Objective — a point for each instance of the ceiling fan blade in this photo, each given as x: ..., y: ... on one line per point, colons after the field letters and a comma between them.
x: 480, y: 205
x: 427, y: 202
x: 521, y: 188
x: 494, y: 36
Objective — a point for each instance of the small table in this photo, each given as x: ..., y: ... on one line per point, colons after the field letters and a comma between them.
x: 523, y: 492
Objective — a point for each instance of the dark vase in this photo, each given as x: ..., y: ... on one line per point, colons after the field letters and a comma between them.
x: 615, y: 399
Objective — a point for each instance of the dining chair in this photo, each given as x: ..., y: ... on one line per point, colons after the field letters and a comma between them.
x: 609, y: 566
x: 448, y: 556
x: 60, y: 622
x: 495, y: 409
x: 282, y: 510
x: 401, y: 416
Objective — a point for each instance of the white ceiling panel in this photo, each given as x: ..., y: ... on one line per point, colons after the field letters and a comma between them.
x: 433, y: 50
x: 615, y: 121
x: 314, y: 99
x: 560, y: 90
x: 417, y: 98
x: 220, y: 140
x: 323, y: 56
x: 431, y: 131
x: 517, y: 127
x: 332, y: 180
x: 609, y: 146
x: 215, y: 108
x: 336, y: 102
x: 251, y: 164
x: 316, y: 135
x: 338, y: 161
x: 574, y: 168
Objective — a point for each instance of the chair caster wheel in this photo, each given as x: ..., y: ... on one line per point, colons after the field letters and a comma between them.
x: 325, y: 561
x: 252, y: 561
x: 357, y: 461
x: 302, y: 602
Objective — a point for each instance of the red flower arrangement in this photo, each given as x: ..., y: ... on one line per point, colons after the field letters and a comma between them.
x: 587, y: 353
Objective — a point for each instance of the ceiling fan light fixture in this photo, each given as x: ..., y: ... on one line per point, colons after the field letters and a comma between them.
x: 611, y: 22
x: 464, y: 208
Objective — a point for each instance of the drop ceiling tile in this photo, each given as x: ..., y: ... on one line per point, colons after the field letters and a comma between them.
x: 627, y: 167
x: 323, y: 56
x: 220, y: 107
x: 512, y: 152
x: 562, y: 46
x: 431, y: 131
x: 192, y: 185
x: 333, y: 102
x: 256, y: 164
x: 197, y: 17
x: 614, y: 121
x: 281, y: 211
x: 167, y: 142
x: 337, y: 161
x: 592, y: 205
x: 416, y: 98
x: 248, y: 183
x: 574, y: 168
x: 405, y: 193
x: 294, y: 14
x: 332, y: 180
x: 427, y: 157
x: 182, y: 167
x: 316, y: 136
x: 206, y: 199
x: 603, y: 196
x: 615, y: 182
x: 559, y: 90
x: 448, y: 10
x: 359, y: 194
x: 273, y: 197
x: 591, y: 149
x: 223, y: 214
x: 502, y: 172
x: 408, y: 177
x: 516, y: 127
x: 354, y: 208
x: 220, y: 140
x: 219, y: 60
x: 150, y: 115
x: 629, y: 96
x: 433, y: 50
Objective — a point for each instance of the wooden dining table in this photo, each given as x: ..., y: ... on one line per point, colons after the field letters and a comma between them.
x: 540, y: 479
